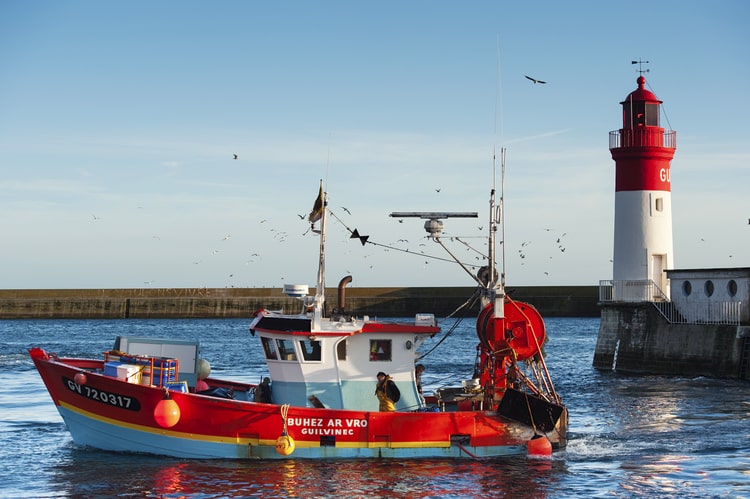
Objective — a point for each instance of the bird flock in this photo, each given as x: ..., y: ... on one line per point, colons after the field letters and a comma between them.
x: 224, y: 248
x: 280, y: 236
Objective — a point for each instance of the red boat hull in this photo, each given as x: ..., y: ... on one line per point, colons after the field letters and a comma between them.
x: 112, y: 414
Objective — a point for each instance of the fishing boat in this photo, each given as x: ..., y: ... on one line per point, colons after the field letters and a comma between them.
x: 156, y: 396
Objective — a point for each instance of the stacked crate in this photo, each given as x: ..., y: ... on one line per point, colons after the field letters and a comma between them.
x: 156, y: 371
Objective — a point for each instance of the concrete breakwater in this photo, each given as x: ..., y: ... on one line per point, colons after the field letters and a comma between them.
x: 174, y: 303
x: 636, y: 338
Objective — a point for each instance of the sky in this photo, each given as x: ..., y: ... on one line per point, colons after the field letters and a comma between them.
x: 119, y: 122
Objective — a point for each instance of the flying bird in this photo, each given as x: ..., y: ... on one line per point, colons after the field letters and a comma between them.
x: 344, y: 208
x: 535, y: 80
x: 235, y: 156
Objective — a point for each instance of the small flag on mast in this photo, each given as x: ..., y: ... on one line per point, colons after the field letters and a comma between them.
x: 317, y: 210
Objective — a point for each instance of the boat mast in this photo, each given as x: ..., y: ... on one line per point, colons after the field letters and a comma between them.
x: 320, y: 289
x: 495, y: 288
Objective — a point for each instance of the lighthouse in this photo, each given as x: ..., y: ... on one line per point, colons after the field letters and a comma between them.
x: 642, y: 151
x: 657, y: 319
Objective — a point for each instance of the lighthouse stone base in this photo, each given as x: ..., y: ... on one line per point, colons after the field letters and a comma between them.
x: 636, y: 338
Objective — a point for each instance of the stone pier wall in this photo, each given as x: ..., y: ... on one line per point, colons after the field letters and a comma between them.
x: 635, y: 338
x: 551, y: 301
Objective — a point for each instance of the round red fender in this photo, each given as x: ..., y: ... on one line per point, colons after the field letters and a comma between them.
x: 522, y: 328
x: 539, y: 446
x: 167, y: 412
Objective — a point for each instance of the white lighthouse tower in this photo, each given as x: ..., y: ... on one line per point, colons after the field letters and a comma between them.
x: 642, y: 152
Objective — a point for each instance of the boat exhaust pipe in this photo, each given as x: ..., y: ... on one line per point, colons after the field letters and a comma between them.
x: 342, y: 292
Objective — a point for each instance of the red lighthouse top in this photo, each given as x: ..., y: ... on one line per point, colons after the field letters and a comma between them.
x: 642, y: 149
x: 640, y: 107
x: 641, y: 94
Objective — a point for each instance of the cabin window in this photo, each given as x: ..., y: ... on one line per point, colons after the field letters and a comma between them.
x: 732, y: 288
x: 341, y: 350
x: 380, y: 350
x: 286, y: 350
x: 269, y: 348
x: 310, y: 349
x: 687, y: 288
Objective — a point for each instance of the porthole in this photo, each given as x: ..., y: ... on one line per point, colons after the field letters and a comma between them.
x: 732, y: 288
x: 708, y: 288
x: 687, y: 288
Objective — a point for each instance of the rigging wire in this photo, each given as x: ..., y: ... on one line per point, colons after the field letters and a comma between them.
x: 465, y: 306
x: 411, y: 252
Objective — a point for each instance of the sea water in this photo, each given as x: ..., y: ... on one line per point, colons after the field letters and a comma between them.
x: 630, y: 436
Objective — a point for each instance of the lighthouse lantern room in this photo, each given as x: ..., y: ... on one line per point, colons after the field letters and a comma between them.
x: 642, y: 151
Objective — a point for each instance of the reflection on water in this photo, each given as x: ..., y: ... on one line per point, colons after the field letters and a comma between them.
x: 143, y: 476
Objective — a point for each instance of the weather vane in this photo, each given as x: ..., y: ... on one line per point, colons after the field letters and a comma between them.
x: 640, y: 66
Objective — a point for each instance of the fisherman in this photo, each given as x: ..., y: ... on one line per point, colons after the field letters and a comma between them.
x: 387, y: 392
x: 263, y: 391
x: 418, y: 370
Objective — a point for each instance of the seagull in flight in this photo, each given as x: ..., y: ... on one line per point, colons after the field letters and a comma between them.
x: 235, y: 156
x: 534, y: 80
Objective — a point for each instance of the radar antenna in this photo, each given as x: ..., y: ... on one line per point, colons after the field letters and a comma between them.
x: 434, y: 224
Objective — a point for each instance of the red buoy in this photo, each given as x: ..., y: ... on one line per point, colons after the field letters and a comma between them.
x: 167, y: 412
x: 540, y: 446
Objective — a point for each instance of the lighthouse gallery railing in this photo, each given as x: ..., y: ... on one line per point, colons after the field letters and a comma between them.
x: 630, y: 291
x: 642, y: 137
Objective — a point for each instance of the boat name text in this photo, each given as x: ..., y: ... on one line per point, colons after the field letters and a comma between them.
x: 324, y: 426
x: 109, y: 398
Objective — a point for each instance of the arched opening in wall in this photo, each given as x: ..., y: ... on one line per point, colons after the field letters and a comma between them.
x: 732, y: 288
x: 687, y: 288
x: 708, y: 288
